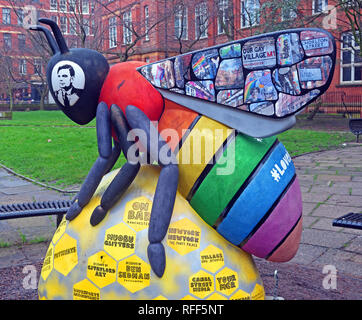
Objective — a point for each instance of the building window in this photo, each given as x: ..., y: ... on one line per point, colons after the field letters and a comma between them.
x: 6, y: 16
x: 72, y: 26
x: 319, y: 6
x: 7, y: 41
x: 351, y: 60
x: 63, y: 5
x: 181, y: 23
x: 112, y: 32
x: 22, y: 66
x: 72, y: 5
x: 127, y: 27
x: 53, y: 5
x: 86, y: 26
x: 85, y: 6
x: 37, y: 66
x: 20, y: 15
x: 289, y: 10
x: 250, y: 13
x: 201, y: 20
x: 147, y: 17
x: 222, y: 19
x: 63, y: 24
x: 21, y: 41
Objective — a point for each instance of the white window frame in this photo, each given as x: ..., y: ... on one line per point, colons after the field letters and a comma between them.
x: 85, y: 6
x: 72, y: 5
x: 37, y: 66
x: 223, y: 6
x: 22, y: 67
x: 63, y: 5
x: 181, y: 23
x: 53, y: 5
x: 249, y: 13
x: 21, y: 41
x: 20, y: 16
x: 147, y: 21
x: 8, y: 41
x: 112, y: 31
x: 322, y: 6
x: 86, y: 26
x: 127, y: 27
x: 201, y: 21
x: 6, y: 16
x: 72, y: 26
x: 63, y: 25
x: 345, y: 47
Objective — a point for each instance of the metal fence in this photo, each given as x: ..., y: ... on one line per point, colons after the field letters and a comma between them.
x: 340, y: 103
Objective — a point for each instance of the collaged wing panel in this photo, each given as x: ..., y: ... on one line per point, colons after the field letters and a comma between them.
x: 273, y: 75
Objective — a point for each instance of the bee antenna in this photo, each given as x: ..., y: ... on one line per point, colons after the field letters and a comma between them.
x: 53, y: 45
x: 57, y: 34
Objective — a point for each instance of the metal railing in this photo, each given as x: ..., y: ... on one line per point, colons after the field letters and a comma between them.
x: 340, y: 103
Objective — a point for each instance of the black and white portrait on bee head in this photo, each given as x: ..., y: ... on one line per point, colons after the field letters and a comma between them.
x: 68, y: 82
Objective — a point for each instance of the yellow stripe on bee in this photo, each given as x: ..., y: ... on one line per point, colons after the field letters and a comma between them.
x: 198, y: 149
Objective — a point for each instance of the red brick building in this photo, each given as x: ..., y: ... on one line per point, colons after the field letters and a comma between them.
x: 24, y: 54
x: 152, y: 30
x: 161, y: 29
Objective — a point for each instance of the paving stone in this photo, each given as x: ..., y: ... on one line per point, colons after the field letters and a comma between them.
x: 352, y: 201
x: 12, y: 182
x: 36, y: 251
x: 331, y: 190
x: 315, y: 197
x: 331, y: 211
x: 325, y: 238
x: 19, y: 190
x: 308, y: 208
x: 11, y: 256
x: 309, y: 221
x: 355, y: 245
x: 307, y: 253
x: 3, y: 173
x: 343, y: 261
x: 329, y: 177
x: 324, y: 224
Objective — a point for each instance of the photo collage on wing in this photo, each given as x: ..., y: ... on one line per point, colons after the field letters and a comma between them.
x: 274, y: 75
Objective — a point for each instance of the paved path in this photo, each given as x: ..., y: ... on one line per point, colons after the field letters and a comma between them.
x: 331, y: 183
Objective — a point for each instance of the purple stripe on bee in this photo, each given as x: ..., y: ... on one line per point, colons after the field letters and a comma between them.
x: 279, y: 223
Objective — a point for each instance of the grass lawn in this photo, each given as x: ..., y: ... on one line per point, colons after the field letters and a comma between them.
x: 48, y: 147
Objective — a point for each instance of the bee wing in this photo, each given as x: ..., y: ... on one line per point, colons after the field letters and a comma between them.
x: 254, y: 85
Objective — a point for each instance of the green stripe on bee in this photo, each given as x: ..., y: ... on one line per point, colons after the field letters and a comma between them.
x: 239, y: 159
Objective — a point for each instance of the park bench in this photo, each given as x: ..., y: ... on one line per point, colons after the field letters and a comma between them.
x: 35, y: 209
x: 350, y: 220
x: 355, y: 125
x: 5, y: 113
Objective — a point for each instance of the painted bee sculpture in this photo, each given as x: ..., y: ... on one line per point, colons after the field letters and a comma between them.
x: 238, y: 96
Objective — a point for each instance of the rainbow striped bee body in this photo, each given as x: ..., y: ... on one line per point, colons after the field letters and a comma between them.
x: 237, y: 97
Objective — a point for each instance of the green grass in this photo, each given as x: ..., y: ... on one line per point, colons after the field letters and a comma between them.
x: 60, y: 156
x: 48, y: 147
x: 298, y: 141
x: 41, y: 118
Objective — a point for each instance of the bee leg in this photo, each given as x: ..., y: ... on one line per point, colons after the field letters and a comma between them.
x: 107, y: 157
x: 126, y: 174
x: 165, y: 194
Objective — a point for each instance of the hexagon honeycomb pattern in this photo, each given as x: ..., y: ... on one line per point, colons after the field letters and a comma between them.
x: 110, y: 261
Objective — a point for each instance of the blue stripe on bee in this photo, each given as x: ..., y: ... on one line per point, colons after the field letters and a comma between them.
x: 258, y: 196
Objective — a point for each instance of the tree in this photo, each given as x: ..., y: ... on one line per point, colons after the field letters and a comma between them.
x: 353, y: 12
x: 134, y: 30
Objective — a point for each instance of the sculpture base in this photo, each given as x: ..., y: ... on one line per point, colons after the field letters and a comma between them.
x: 109, y: 261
